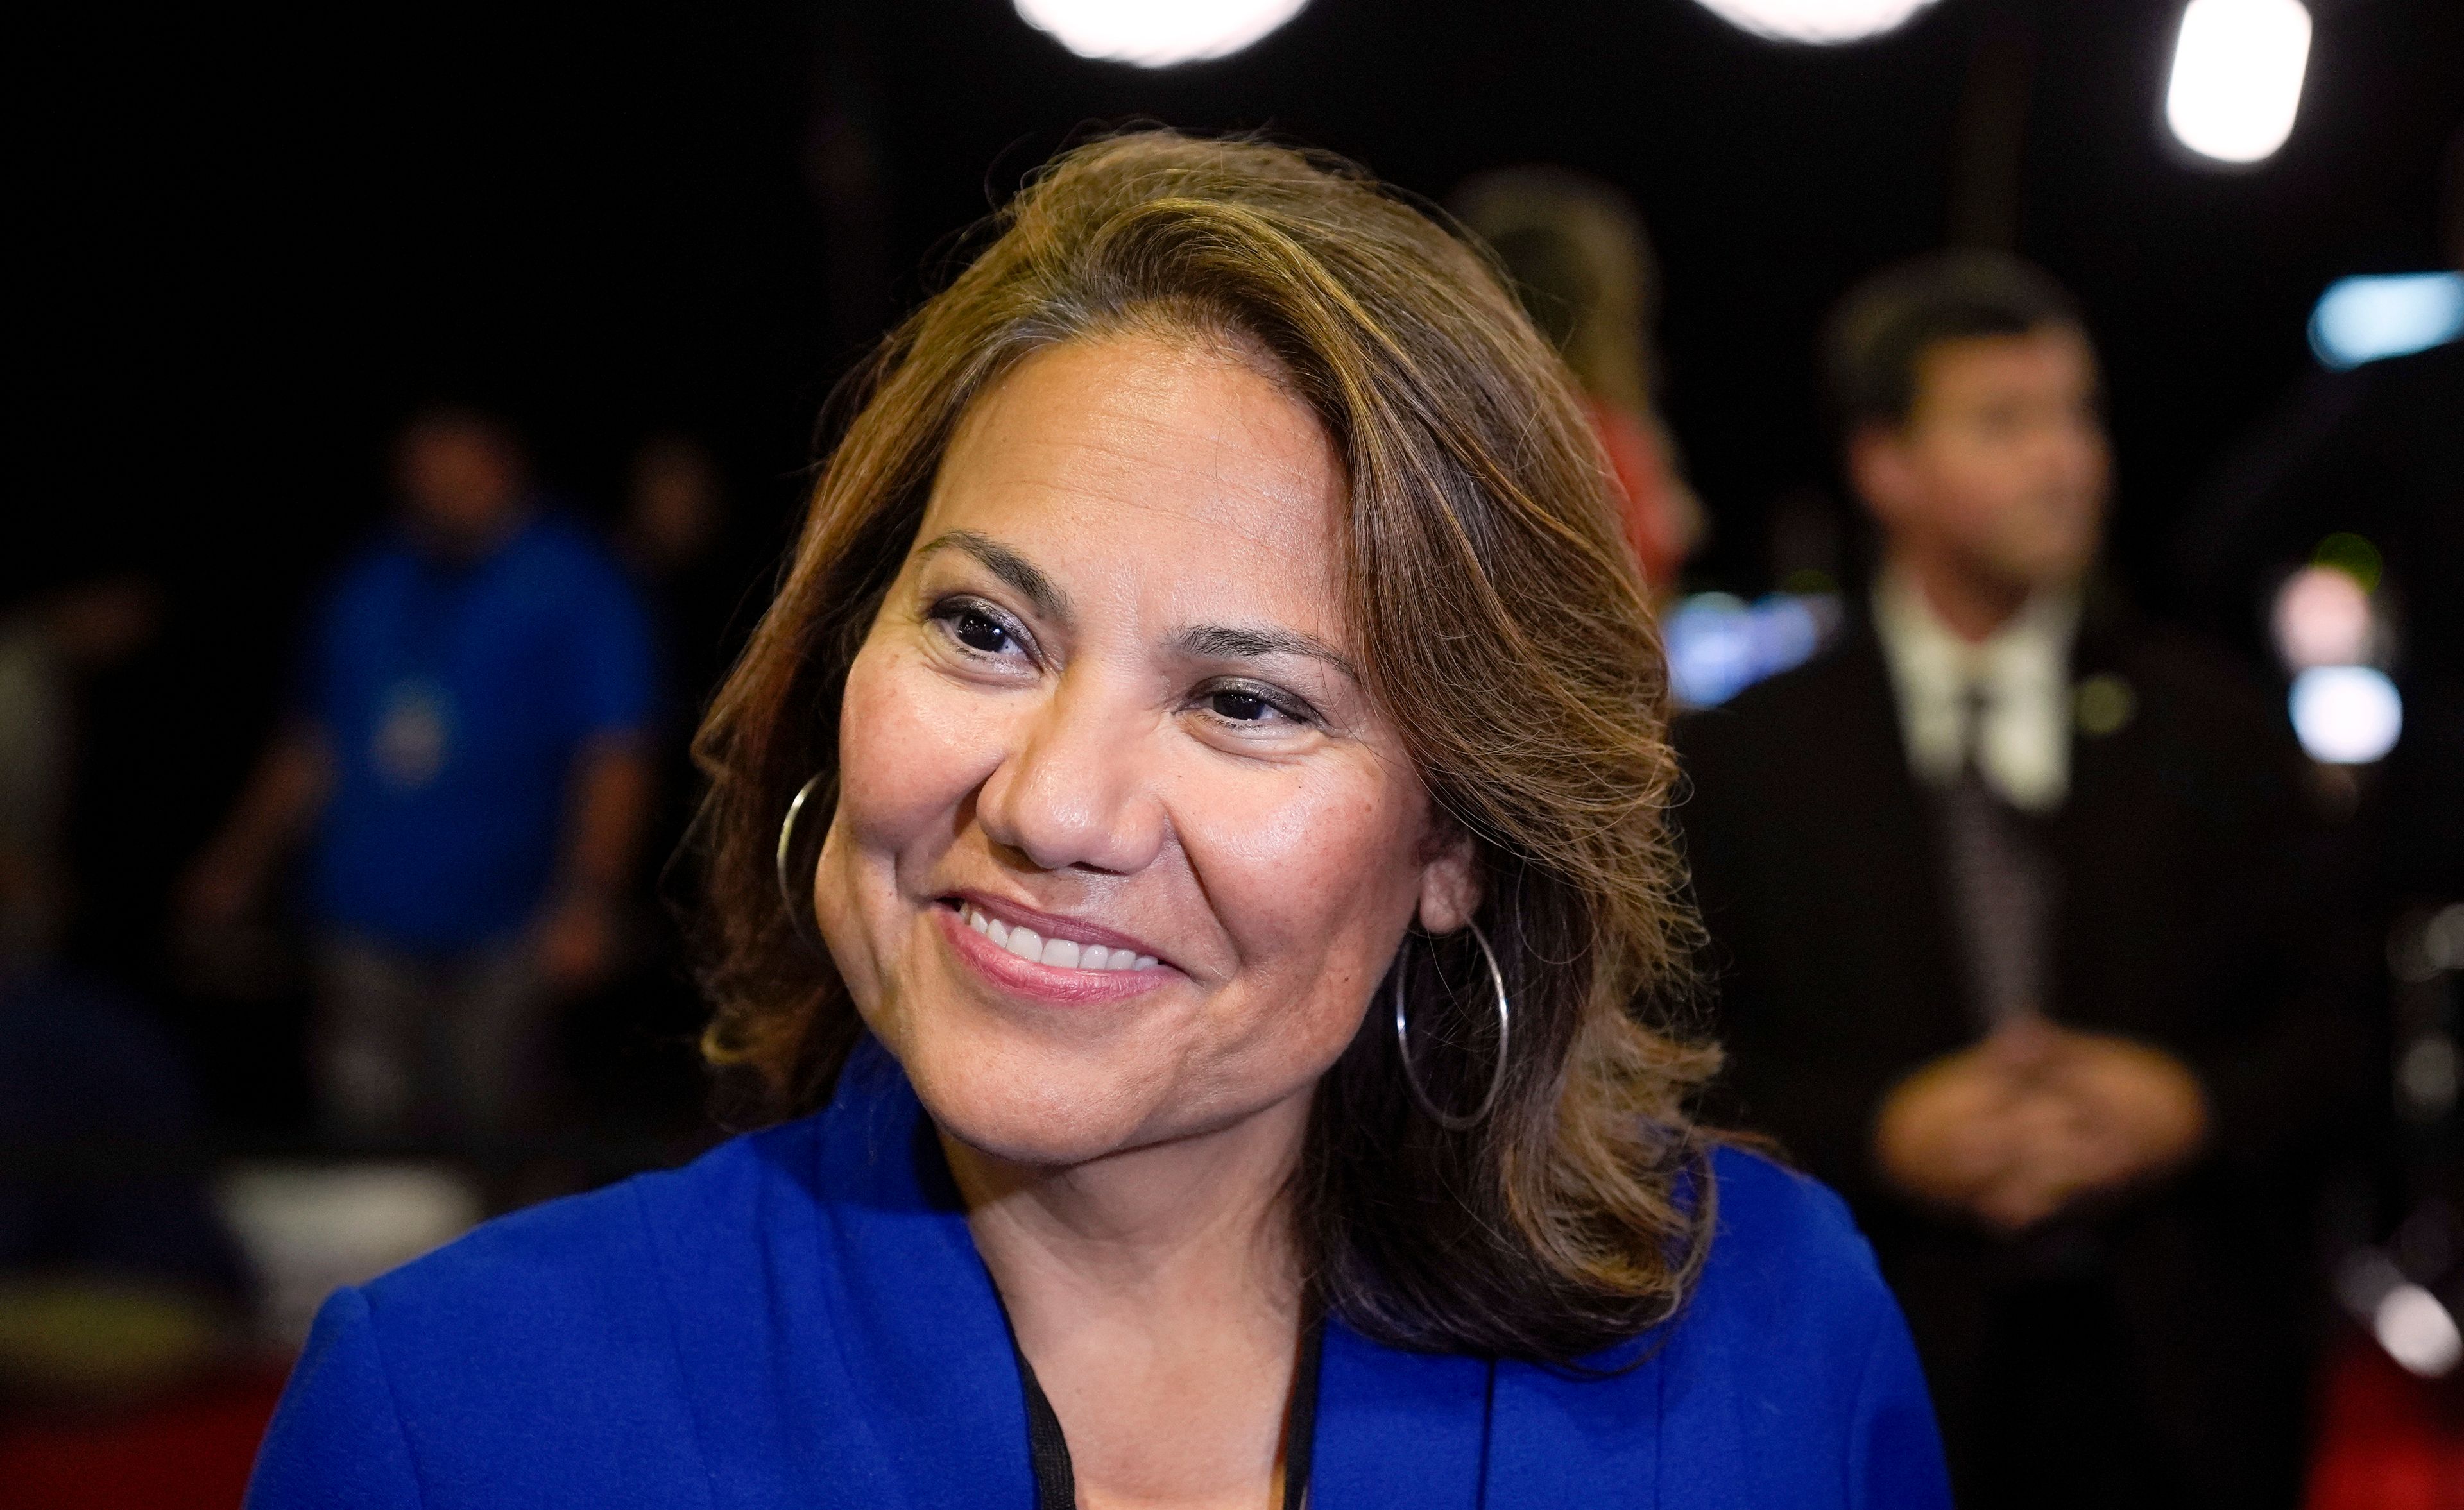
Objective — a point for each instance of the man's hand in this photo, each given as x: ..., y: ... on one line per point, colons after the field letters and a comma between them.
x: 1951, y: 1130
x: 283, y: 798
x: 577, y: 936
x: 2035, y: 1118
x: 2141, y: 1110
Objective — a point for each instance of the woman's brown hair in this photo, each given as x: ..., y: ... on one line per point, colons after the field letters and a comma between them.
x: 1503, y: 632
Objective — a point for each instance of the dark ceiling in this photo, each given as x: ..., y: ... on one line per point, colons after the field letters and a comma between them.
x: 257, y: 241
x: 266, y: 238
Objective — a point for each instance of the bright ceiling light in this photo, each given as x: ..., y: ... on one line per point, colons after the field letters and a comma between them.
x: 1156, y: 33
x: 2347, y: 715
x: 2238, y: 67
x: 2362, y: 320
x: 1821, y: 21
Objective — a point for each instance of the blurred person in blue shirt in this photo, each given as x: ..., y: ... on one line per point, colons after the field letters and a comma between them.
x: 465, y: 759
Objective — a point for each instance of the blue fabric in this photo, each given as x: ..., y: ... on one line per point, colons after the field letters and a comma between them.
x: 455, y: 698
x: 800, y: 1319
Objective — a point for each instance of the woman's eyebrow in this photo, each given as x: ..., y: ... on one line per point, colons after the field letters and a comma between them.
x: 1008, y: 565
x: 1221, y: 642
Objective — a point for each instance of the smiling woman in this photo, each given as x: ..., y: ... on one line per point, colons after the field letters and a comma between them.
x: 1197, y: 397
x: 1213, y: 624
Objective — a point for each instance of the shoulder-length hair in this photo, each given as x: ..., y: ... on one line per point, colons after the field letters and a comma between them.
x: 1503, y: 632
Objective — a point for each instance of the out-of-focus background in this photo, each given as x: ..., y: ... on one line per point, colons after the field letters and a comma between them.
x: 627, y: 254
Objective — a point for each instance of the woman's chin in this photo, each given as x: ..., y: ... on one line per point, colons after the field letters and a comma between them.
x: 1009, y: 1108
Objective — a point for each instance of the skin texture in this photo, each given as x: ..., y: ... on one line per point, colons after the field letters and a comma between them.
x: 1112, y: 685
x: 1994, y: 490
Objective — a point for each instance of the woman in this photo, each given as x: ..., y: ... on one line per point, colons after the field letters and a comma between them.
x: 1193, y: 821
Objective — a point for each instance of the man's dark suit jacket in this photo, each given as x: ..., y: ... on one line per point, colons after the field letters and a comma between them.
x: 2189, y: 917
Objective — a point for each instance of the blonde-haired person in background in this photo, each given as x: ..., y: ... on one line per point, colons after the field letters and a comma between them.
x: 1580, y: 261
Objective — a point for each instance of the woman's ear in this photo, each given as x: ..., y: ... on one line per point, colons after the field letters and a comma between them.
x: 1450, y: 889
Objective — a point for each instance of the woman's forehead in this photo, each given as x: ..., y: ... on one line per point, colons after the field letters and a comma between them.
x: 1134, y: 466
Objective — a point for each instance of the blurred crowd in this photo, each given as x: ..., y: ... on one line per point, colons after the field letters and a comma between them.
x: 451, y: 852
x: 2123, y: 1011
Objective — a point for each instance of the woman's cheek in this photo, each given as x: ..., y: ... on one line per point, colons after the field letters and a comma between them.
x: 900, y: 782
x: 914, y: 744
x: 1316, y: 869
x: 1339, y: 827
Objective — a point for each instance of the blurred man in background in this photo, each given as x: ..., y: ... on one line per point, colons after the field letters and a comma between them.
x: 2007, y: 895
x: 466, y: 759
x: 694, y: 565
x: 678, y: 542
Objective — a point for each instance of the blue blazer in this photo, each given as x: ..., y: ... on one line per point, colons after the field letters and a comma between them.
x: 800, y: 1318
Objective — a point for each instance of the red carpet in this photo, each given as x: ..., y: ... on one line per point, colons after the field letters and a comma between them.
x: 2386, y: 1440
x: 187, y: 1453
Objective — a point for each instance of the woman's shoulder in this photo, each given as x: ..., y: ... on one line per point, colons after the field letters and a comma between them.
x: 1791, y: 1321
x: 465, y: 1367
x: 1777, y: 1225
x: 589, y: 1283
x: 1786, y: 1258
x: 1787, y: 1379
x: 608, y: 1239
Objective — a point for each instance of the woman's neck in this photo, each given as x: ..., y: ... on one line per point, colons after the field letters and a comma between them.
x: 1157, y: 1293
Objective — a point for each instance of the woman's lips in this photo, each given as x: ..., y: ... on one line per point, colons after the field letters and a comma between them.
x: 1007, y: 965
x: 1061, y: 953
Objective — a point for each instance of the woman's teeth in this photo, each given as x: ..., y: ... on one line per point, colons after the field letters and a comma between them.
x: 1027, y: 944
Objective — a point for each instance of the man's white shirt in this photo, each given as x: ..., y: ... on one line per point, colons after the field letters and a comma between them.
x: 2023, y: 671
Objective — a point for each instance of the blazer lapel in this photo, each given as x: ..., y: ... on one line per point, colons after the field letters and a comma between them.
x: 912, y: 1310
x: 853, y: 1352
x: 879, y: 1370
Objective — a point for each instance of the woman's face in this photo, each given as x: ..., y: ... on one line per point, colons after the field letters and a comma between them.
x: 1123, y: 845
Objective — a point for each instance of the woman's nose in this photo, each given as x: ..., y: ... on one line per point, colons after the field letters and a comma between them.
x: 1072, y: 790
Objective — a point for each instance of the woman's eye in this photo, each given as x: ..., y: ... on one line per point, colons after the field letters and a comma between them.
x: 1239, y: 706
x: 979, y: 630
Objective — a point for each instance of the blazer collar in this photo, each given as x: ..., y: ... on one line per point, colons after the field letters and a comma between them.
x: 924, y: 1342
x: 913, y: 1311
